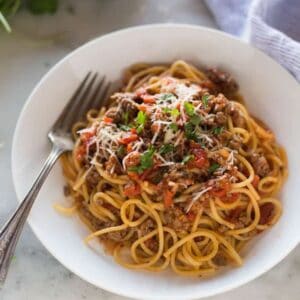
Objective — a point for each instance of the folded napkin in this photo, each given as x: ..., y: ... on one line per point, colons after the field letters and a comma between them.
x: 270, y: 25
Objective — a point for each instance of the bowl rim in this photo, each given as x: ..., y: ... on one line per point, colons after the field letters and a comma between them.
x: 112, y: 289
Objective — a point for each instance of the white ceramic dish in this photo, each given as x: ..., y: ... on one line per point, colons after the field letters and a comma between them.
x: 271, y: 94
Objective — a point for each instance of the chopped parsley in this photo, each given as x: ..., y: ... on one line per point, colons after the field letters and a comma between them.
x: 189, y: 131
x: 173, y: 112
x: 213, y: 167
x: 174, y: 127
x: 167, y: 148
x: 218, y: 130
x: 140, y: 121
x: 189, y: 108
x: 145, y: 163
x: 187, y: 158
x: 125, y: 116
x: 205, y: 100
x: 195, y: 120
x: 121, y: 151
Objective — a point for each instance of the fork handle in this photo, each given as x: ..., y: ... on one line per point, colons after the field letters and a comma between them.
x: 10, y: 232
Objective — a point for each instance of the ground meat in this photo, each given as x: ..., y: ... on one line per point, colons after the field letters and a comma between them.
x: 223, y: 81
x: 237, y: 217
x: 133, y: 159
x: 237, y: 119
x: 127, y: 106
x: 176, y: 173
x: 96, y: 223
x: 260, y: 164
x: 210, y: 120
x: 117, y: 236
x: 113, y: 165
x: 146, y: 227
x: 219, y: 103
x: 235, y: 142
x: 221, y: 118
x: 220, y: 259
x: 92, y: 178
x: 152, y: 244
x: 115, y: 114
x: 266, y: 211
x: 217, y: 157
x: 177, y: 219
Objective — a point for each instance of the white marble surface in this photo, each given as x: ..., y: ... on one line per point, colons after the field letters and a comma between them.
x: 34, y: 46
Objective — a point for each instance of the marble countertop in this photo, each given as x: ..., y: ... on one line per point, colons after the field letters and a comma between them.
x: 35, y: 45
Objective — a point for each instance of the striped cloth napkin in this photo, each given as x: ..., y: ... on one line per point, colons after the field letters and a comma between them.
x: 271, y: 25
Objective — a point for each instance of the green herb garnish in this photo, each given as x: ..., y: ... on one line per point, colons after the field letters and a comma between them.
x: 140, y: 121
x: 205, y: 100
x: 121, y: 151
x: 125, y: 117
x: 213, y: 167
x: 189, y: 131
x: 218, y: 130
x: 174, y: 127
x: 167, y: 148
x: 189, y: 108
x: 145, y: 163
x: 187, y: 158
x: 174, y: 112
x: 195, y: 120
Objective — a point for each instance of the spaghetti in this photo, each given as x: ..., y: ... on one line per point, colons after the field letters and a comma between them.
x: 175, y: 172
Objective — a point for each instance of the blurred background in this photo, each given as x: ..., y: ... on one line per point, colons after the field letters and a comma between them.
x: 43, y: 32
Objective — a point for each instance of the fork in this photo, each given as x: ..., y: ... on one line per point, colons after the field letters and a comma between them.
x: 91, y: 93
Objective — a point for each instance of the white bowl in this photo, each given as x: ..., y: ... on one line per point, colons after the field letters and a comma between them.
x: 271, y: 94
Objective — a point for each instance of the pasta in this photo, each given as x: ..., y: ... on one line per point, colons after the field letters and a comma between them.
x: 175, y: 172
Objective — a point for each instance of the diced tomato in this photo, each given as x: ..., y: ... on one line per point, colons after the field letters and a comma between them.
x: 255, y: 181
x: 191, y: 216
x: 200, y: 158
x: 142, y: 107
x: 86, y: 136
x: 221, y: 191
x: 134, y: 176
x: 200, y: 162
x: 107, y: 120
x: 80, y: 152
x: 230, y: 198
x: 178, y: 106
x: 128, y: 139
x: 140, y: 92
x: 218, y: 193
x: 194, y: 145
x: 132, y: 189
x: 168, y: 198
x: 129, y: 147
x: 133, y: 130
x: 149, y: 99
